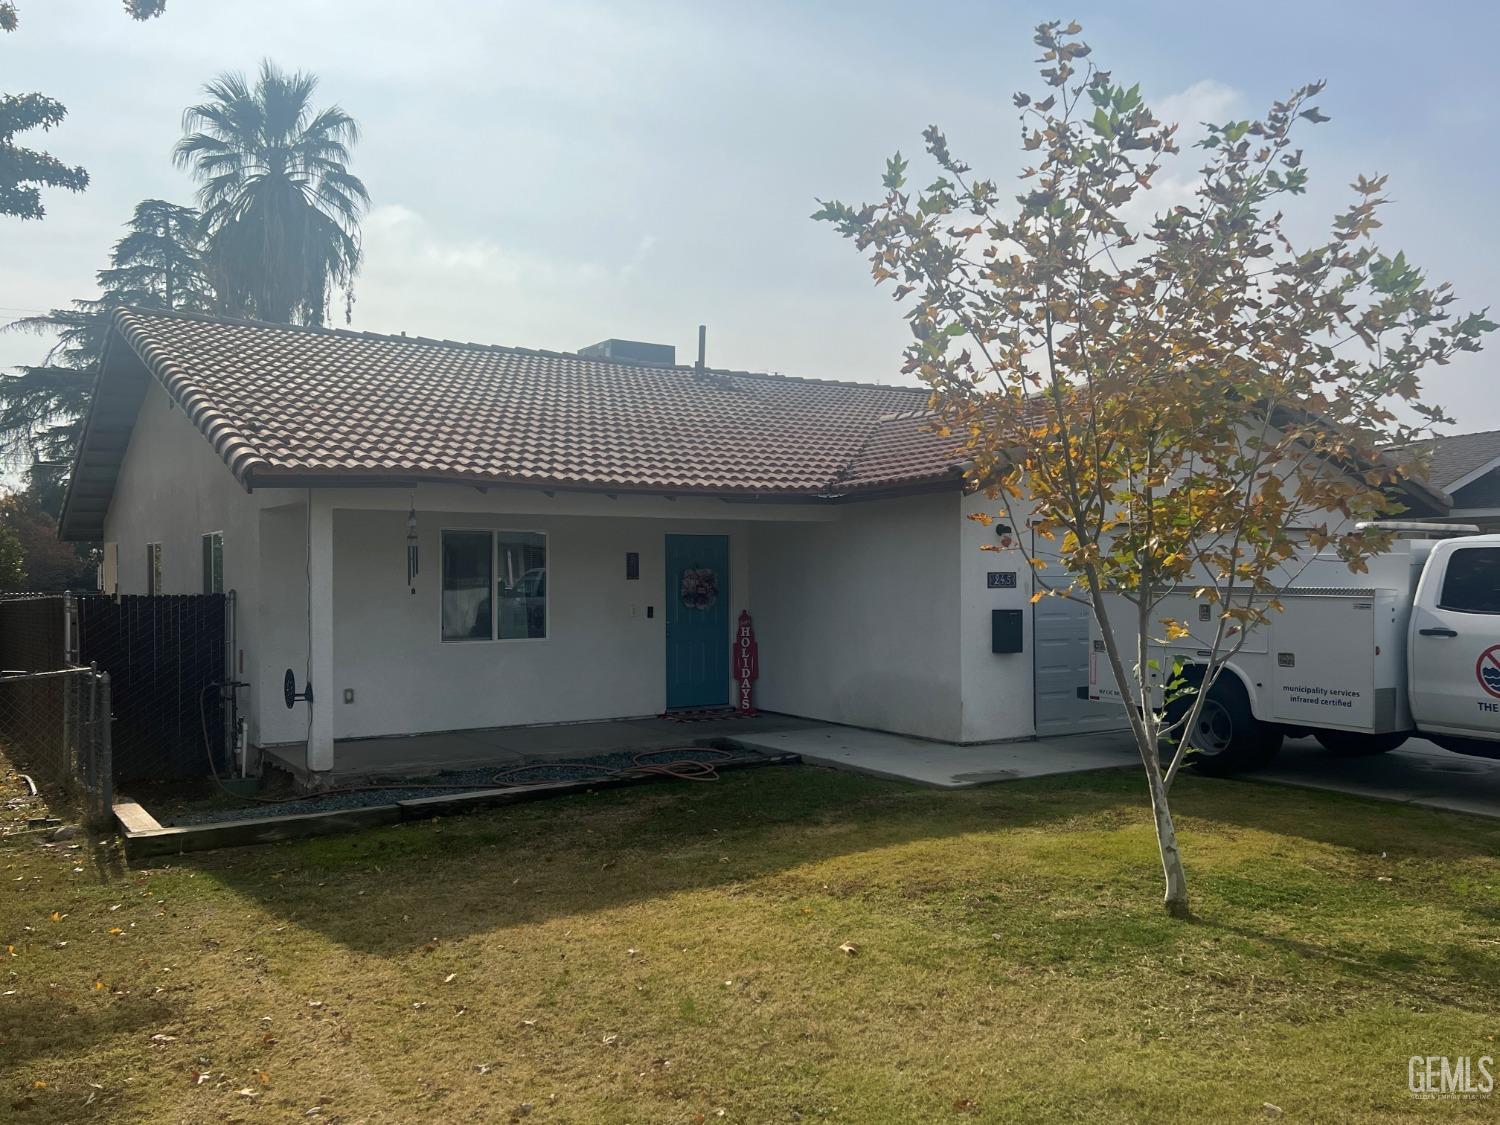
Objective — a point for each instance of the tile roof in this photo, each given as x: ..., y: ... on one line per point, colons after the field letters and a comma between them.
x: 899, y: 449
x: 298, y: 405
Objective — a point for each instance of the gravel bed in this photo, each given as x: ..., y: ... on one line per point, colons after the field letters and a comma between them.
x: 452, y: 782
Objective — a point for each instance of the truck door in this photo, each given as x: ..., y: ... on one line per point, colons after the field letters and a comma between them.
x: 1454, y: 650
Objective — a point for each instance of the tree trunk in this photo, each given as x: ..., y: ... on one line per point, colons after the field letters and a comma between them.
x: 1176, y: 898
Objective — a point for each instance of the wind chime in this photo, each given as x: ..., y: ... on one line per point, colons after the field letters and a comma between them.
x: 413, y: 561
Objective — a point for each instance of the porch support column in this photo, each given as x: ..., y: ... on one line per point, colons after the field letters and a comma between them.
x: 320, y: 631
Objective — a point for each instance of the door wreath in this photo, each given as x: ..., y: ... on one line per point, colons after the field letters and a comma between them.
x: 699, y: 588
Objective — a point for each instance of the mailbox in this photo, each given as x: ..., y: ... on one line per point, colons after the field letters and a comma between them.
x: 1005, y: 631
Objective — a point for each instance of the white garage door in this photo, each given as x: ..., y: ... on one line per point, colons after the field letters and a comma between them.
x: 1060, y: 654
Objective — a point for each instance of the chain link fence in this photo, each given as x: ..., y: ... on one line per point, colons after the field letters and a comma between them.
x: 153, y: 703
x: 55, y: 728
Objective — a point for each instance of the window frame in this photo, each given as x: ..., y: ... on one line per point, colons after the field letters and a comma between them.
x: 210, y: 540
x: 109, y: 568
x: 153, y: 569
x: 494, y: 638
x: 1442, y: 598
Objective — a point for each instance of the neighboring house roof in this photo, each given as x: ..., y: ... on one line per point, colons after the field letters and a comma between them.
x: 1461, y: 459
x: 292, y: 406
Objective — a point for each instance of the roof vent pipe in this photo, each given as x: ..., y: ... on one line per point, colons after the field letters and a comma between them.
x: 702, y: 347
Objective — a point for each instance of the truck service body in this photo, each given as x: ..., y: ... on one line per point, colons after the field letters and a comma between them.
x: 1361, y: 661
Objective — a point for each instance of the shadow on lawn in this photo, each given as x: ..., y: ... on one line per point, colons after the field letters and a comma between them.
x: 387, y: 891
x: 575, y: 855
x: 53, y: 1025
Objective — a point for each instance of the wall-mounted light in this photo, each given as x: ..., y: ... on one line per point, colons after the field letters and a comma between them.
x: 413, y: 562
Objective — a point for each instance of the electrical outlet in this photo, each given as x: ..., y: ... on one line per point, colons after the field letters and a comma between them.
x: 348, y: 695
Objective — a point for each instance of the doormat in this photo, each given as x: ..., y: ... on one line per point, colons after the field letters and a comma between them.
x: 707, y: 715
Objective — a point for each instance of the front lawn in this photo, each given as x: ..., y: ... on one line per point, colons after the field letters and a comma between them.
x: 673, y: 953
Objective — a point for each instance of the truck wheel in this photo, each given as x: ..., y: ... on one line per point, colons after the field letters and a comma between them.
x: 1227, y: 738
x: 1354, y: 745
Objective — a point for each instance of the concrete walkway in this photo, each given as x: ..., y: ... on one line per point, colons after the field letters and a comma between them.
x: 941, y: 764
x: 1419, y: 773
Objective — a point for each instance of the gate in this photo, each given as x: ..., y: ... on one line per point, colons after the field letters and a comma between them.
x: 167, y: 657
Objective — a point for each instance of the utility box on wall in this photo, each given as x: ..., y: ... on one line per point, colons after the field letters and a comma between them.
x: 1006, y: 631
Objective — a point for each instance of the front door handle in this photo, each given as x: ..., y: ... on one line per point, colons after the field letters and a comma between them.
x: 1438, y: 632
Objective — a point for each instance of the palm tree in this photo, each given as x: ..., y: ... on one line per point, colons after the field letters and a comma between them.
x: 281, y: 209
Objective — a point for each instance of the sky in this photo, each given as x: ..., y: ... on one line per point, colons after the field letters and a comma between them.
x: 547, y: 175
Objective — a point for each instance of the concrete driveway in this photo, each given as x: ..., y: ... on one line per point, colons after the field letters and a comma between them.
x: 1418, y: 773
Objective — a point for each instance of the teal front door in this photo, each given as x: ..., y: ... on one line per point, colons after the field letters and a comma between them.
x: 697, y: 621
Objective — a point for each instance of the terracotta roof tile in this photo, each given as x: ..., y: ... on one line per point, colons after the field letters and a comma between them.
x: 286, y: 402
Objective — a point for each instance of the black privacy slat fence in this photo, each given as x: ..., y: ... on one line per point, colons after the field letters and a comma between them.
x: 166, y: 655
x: 32, y: 633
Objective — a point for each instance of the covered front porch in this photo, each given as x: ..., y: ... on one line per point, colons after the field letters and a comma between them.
x: 445, y: 624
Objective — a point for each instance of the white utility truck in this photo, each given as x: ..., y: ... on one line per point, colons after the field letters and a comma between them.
x: 1359, y: 661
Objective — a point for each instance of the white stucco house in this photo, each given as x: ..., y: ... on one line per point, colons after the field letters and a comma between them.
x: 586, y: 532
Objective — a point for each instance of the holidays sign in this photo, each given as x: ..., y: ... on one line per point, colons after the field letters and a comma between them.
x: 746, y: 659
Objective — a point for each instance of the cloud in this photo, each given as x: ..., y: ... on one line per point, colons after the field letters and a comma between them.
x: 399, y: 242
x: 1202, y: 101
x: 1178, y: 180
x: 422, y: 276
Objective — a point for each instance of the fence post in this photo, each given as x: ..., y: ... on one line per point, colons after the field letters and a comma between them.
x: 70, y: 629
x: 105, y: 751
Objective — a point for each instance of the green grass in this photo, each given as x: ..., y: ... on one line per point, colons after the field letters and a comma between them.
x: 667, y: 952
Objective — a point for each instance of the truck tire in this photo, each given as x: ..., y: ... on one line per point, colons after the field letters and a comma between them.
x: 1228, y: 738
x: 1352, y: 744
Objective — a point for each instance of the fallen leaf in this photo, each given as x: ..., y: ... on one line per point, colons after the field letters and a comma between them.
x: 450, y: 978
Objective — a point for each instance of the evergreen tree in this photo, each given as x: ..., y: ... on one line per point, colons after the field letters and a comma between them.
x: 158, y: 265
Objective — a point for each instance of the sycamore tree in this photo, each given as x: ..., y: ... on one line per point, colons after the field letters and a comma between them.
x: 1166, y: 396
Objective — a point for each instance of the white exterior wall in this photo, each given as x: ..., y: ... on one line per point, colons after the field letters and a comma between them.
x: 997, y: 688
x: 172, y: 489
x: 858, y: 620
x: 602, y: 656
